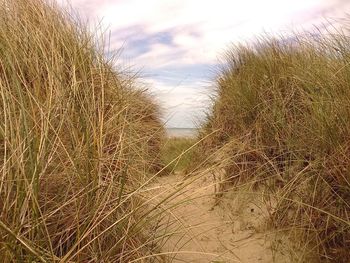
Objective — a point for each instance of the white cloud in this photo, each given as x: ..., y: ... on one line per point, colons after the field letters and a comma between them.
x: 201, y: 29
x: 207, y: 26
x: 183, y: 104
x: 199, y: 32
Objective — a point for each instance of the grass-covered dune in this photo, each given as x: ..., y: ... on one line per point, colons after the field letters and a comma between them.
x: 282, y: 116
x: 77, y: 138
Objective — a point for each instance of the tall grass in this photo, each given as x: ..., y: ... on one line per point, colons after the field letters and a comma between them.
x: 282, y: 116
x: 176, y: 153
x: 77, y: 139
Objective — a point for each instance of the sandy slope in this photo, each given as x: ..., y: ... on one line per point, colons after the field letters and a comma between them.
x: 203, y: 232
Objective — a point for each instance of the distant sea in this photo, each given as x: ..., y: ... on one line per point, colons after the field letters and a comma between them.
x: 181, y: 132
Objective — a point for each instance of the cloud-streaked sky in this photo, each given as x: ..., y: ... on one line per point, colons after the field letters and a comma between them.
x: 175, y: 44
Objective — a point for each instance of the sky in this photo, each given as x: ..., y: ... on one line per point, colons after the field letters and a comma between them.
x: 176, y: 45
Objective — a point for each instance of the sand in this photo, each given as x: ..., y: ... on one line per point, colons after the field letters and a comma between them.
x: 199, y: 229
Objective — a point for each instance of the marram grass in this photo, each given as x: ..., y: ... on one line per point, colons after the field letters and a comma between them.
x: 281, y: 116
x: 176, y: 153
x: 77, y: 140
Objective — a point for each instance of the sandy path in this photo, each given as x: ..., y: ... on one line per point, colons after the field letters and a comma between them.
x: 202, y: 232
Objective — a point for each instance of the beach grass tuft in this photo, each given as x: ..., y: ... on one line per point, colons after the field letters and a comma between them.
x: 78, y: 140
x: 281, y: 118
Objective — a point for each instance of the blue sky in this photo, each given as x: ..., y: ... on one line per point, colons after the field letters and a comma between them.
x: 176, y: 44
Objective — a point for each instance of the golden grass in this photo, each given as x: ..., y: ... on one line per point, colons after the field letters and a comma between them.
x: 77, y: 141
x: 176, y: 153
x: 282, y: 117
